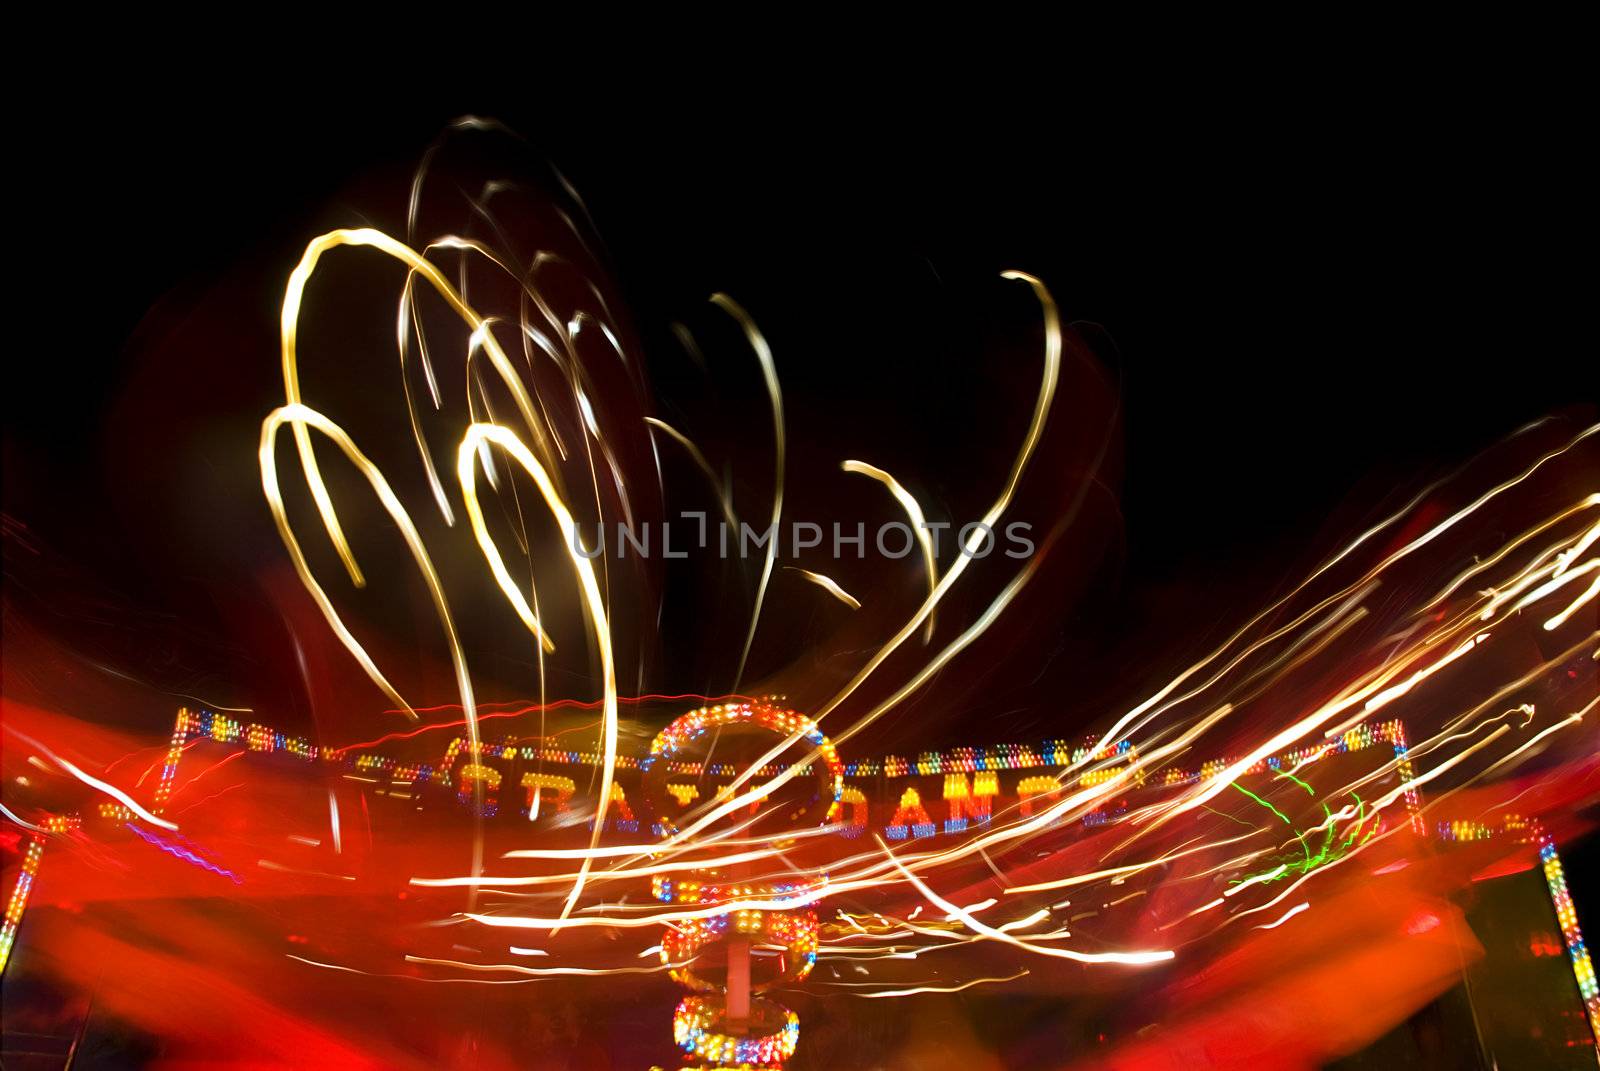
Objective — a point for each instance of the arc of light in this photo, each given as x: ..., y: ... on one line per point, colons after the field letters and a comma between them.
x: 961, y: 642
x: 769, y: 374
x: 699, y: 458
x: 302, y: 418
x: 828, y: 584
x: 594, y: 604
x: 93, y: 782
x: 289, y: 318
x: 1041, y: 411
x: 918, y: 527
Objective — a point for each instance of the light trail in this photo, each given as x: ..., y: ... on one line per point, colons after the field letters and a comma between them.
x: 1284, y: 639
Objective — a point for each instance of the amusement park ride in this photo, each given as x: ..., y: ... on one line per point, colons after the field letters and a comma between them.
x: 1387, y: 751
x: 738, y: 934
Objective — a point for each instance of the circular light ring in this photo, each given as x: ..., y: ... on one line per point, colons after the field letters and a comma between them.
x: 794, y: 931
x: 700, y: 1029
x: 689, y: 727
x: 710, y: 891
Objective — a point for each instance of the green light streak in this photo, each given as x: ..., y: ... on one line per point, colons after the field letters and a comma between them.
x: 1263, y: 803
x: 1296, y: 780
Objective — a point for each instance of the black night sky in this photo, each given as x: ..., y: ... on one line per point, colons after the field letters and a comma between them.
x: 1306, y: 306
x: 1307, y: 311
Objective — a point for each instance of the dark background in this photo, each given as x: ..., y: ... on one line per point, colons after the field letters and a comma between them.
x: 1311, y: 301
x: 1309, y: 298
